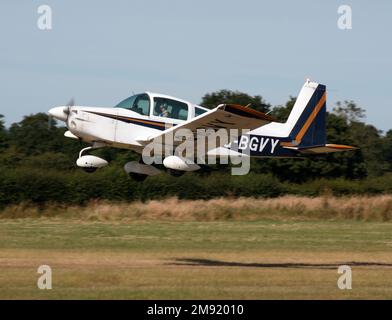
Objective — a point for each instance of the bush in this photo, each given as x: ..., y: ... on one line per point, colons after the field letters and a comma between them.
x: 78, y: 187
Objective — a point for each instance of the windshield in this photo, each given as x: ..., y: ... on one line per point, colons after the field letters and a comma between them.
x: 127, y: 103
x: 139, y: 103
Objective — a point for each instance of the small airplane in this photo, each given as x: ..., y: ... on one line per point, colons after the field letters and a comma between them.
x: 149, y: 117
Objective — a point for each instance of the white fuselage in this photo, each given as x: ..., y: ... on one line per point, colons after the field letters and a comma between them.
x: 120, y: 127
x: 140, y: 117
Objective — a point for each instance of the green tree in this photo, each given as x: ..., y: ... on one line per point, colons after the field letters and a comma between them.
x: 212, y: 100
x: 342, y: 126
x: 387, y: 150
x: 38, y: 142
x: 37, y: 139
x: 340, y: 130
x: 3, y: 134
x: 349, y: 111
x: 35, y: 135
x: 366, y: 137
x: 370, y: 143
x: 281, y: 113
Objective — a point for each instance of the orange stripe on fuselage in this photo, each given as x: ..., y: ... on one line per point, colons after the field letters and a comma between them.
x: 312, y: 116
x: 118, y: 117
x: 143, y: 121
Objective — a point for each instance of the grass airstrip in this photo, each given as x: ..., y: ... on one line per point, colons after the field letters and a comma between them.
x: 284, y: 248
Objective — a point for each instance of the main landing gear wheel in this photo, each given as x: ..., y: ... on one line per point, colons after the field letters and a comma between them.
x: 90, y: 169
x: 139, y: 171
x: 175, y: 173
x: 139, y: 177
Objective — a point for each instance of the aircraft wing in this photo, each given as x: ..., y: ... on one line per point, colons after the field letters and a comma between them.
x: 225, y: 116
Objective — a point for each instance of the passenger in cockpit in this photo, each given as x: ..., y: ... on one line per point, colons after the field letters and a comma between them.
x: 164, y: 113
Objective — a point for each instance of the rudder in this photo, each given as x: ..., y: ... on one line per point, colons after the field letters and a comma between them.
x: 310, y: 129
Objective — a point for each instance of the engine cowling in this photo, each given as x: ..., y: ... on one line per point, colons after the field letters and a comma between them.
x: 91, y: 162
x: 181, y: 164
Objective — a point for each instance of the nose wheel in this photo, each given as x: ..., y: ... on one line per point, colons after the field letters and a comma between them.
x: 175, y: 173
x: 90, y: 169
x: 90, y: 163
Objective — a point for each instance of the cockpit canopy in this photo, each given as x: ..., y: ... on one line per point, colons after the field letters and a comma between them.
x: 163, y: 106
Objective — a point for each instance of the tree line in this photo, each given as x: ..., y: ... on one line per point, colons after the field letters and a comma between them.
x: 37, y: 163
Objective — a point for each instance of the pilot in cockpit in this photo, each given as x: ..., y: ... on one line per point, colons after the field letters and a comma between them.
x: 163, y: 110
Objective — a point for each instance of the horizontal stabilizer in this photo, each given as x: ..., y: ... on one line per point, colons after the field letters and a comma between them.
x: 326, y: 148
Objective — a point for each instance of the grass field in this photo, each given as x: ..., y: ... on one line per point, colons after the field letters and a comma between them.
x: 265, y: 258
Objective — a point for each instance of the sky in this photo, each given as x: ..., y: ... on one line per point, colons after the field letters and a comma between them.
x: 100, y: 52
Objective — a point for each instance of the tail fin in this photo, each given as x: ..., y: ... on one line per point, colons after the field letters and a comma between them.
x: 306, y: 123
x: 305, y: 129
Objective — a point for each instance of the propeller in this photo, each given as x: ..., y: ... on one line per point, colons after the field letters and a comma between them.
x: 67, y: 109
x: 60, y: 113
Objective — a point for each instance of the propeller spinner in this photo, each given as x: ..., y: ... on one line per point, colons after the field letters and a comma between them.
x: 61, y: 113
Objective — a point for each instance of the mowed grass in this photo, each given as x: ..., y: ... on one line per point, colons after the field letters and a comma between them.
x: 263, y: 259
